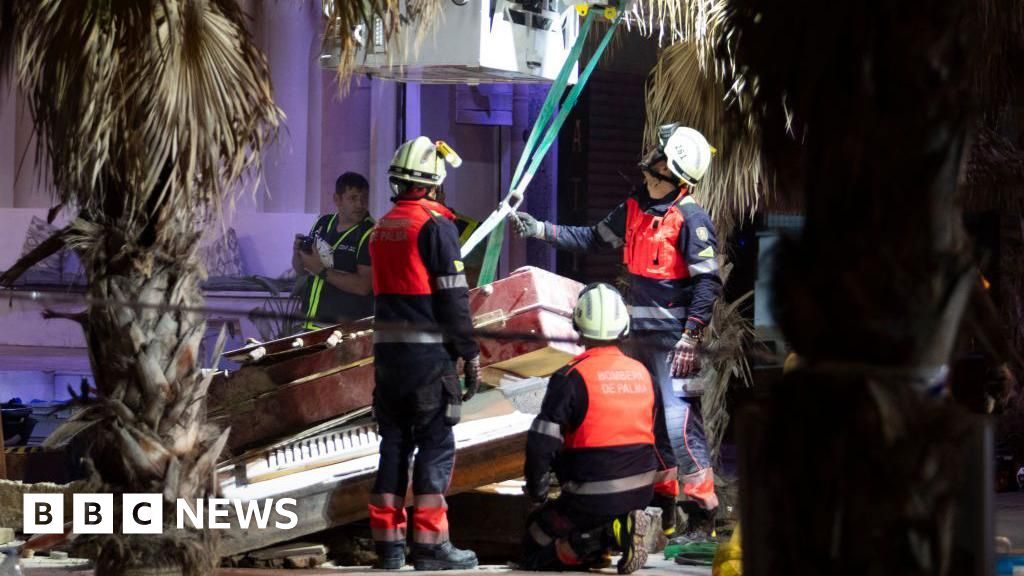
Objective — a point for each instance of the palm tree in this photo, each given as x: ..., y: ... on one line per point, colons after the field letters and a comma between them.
x: 150, y: 113
x: 864, y: 111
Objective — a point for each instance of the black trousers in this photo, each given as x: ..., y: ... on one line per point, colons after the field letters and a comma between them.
x: 411, y: 405
x: 562, y: 537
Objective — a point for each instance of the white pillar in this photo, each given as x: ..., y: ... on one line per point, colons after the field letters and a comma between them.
x: 413, y: 111
x: 315, y: 126
x: 32, y: 183
x: 383, y: 142
x: 287, y: 30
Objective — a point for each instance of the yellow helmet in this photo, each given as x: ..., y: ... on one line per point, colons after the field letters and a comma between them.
x: 421, y: 161
x: 600, y: 313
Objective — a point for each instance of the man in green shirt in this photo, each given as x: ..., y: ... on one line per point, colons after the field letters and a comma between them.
x: 335, y: 258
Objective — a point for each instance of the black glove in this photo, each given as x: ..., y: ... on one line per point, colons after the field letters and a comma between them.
x: 471, y: 371
x: 527, y: 226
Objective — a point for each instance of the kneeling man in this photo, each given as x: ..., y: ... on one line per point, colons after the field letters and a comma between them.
x: 595, y: 430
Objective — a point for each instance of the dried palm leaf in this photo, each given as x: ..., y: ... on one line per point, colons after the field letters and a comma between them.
x: 730, y: 337
x: 142, y: 105
x: 681, y: 89
x: 999, y: 63
x: 352, y: 23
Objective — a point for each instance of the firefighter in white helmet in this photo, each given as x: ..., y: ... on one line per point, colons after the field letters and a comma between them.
x: 595, y: 429
x: 419, y: 280
x: 670, y: 250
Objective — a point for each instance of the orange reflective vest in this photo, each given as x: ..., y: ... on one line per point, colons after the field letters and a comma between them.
x: 652, y: 243
x: 394, y: 248
x: 620, y: 401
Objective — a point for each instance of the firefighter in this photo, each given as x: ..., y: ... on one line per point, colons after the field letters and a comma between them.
x: 418, y: 280
x: 596, y: 430
x: 669, y: 248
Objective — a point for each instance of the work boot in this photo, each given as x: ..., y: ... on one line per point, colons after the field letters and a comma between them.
x: 699, y: 526
x: 628, y: 533
x: 390, y: 555
x: 691, y: 537
x: 442, y: 556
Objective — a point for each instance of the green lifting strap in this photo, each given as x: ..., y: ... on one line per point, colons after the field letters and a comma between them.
x: 521, y: 178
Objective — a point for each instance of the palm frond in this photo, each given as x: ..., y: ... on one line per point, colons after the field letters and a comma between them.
x: 349, y: 23
x: 142, y: 106
x: 999, y: 70
x: 731, y: 336
x: 682, y: 89
x: 707, y: 24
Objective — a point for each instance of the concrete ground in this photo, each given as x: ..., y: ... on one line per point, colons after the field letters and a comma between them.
x: 1010, y: 517
x: 1009, y: 523
x: 656, y: 566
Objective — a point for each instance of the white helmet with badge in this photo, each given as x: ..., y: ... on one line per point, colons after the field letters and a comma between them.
x: 688, y: 154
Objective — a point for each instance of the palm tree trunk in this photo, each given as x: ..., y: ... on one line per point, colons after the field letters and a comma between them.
x: 852, y: 466
x: 151, y: 434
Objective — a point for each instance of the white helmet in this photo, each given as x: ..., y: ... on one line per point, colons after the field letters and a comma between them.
x: 600, y: 313
x: 421, y: 161
x: 688, y: 154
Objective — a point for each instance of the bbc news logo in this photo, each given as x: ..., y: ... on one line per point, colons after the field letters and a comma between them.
x: 144, y: 513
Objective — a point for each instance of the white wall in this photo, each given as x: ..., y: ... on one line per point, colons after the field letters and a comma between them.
x: 32, y: 385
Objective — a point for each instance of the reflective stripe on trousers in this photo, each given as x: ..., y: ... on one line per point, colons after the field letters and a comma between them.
x: 387, y: 517
x: 666, y: 482
x: 685, y: 427
x: 430, y: 519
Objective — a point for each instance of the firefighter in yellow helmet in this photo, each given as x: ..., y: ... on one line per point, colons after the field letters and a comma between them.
x: 418, y: 280
x: 595, y: 430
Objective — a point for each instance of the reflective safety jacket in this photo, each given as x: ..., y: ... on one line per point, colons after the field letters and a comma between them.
x: 322, y: 302
x: 466, y: 226
x: 596, y: 429
x: 419, y: 280
x: 670, y: 250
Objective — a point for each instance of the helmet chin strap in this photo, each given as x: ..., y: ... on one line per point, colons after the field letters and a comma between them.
x: 408, y: 191
x: 670, y: 178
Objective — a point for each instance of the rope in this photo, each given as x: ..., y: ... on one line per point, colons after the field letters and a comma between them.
x: 539, y: 142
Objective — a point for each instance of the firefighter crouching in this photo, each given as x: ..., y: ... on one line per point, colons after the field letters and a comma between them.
x: 418, y: 279
x: 670, y: 249
x: 596, y: 431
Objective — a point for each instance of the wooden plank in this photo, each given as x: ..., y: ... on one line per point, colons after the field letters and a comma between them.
x: 293, y: 407
x: 310, y: 340
x: 344, y: 500
x: 286, y: 550
x: 227, y: 391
